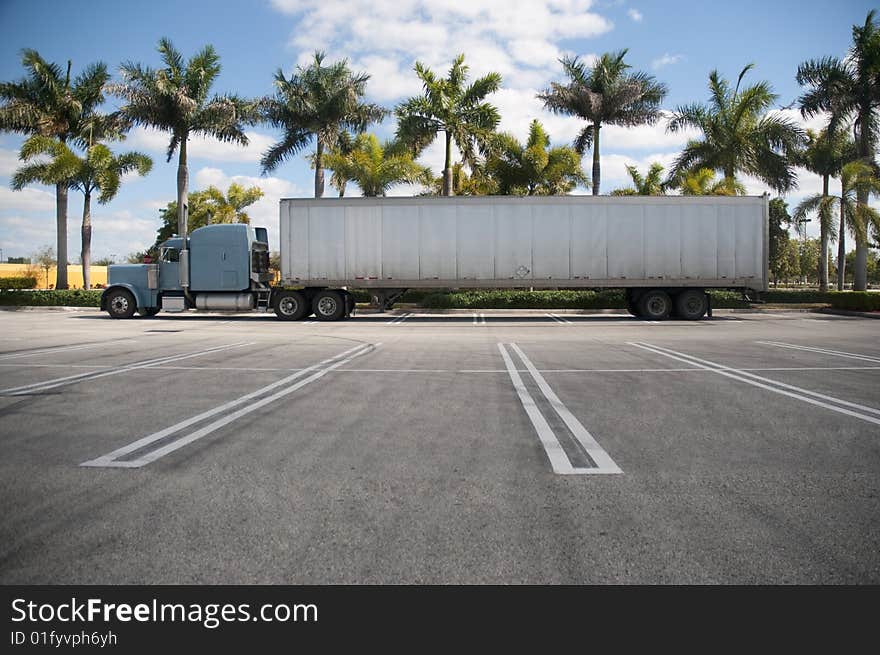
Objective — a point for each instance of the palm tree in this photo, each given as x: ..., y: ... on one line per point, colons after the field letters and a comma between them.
x: 701, y: 182
x: 825, y: 154
x: 857, y: 180
x: 342, y: 162
x: 849, y: 90
x: 648, y: 185
x: 99, y: 170
x: 175, y: 99
x: 48, y: 103
x: 210, y: 206
x: 739, y: 134
x: 604, y: 93
x: 376, y: 167
x: 447, y: 106
x: 478, y: 183
x: 319, y: 102
x: 533, y: 168
x: 230, y: 207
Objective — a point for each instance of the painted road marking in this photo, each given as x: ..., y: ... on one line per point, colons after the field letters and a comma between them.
x: 559, y: 319
x: 318, y: 371
x: 51, y: 351
x: 399, y: 319
x: 94, y: 375
x: 479, y: 319
x: 766, y: 383
x: 822, y: 351
x: 559, y: 460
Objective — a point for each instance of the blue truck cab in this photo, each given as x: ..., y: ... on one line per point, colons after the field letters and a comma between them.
x: 222, y: 267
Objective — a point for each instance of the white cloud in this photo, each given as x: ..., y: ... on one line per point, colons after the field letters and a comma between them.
x: 635, y: 14
x: 665, y: 60
x: 28, y: 199
x: 520, y: 39
x: 8, y: 162
x: 201, y: 147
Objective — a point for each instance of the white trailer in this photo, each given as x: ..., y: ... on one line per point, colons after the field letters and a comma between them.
x: 665, y: 250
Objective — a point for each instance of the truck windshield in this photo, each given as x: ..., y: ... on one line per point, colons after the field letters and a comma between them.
x: 169, y: 255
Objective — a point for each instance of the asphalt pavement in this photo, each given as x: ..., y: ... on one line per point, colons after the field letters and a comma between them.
x: 492, y: 447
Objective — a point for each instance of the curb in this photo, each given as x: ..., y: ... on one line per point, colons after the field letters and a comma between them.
x: 46, y: 308
x: 847, y: 312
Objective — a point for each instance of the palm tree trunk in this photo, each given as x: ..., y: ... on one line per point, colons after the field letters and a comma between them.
x: 823, y: 239
x: 596, y: 169
x: 182, y: 190
x: 841, y: 244
x: 447, y: 167
x: 342, y: 189
x: 86, y: 253
x: 860, y: 272
x: 319, y: 168
x: 61, y: 228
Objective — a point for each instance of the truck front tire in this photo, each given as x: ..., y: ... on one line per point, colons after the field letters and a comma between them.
x: 329, y: 306
x: 290, y: 306
x: 121, y: 304
x: 655, y: 305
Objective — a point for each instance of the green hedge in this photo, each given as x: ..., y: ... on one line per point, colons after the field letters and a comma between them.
x: 859, y: 301
x: 53, y: 298
x: 18, y: 282
x: 807, y: 296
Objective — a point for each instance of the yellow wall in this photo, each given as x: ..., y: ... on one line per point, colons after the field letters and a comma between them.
x: 74, y: 274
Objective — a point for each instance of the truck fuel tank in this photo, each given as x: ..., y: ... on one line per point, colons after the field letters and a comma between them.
x: 225, y: 302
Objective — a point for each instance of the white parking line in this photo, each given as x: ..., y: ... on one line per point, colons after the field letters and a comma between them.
x: 61, y: 349
x: 822, y: 351
x: 559, y: 460
x: 73, y: 379
x: 766, y: 383
x: 112, y: 459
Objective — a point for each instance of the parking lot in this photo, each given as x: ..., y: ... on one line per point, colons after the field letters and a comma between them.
x: 488, y: 447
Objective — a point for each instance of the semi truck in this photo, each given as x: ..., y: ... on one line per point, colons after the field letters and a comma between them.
x: 664, y: 251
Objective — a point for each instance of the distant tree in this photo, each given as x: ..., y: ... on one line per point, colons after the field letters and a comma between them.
x: 45, y: 259
x: 320, y: 102
x: 533, y: 168
x: 448, y: 106
x: 175, y: 99
x: 740, y: 135
x: 604, y: 93
x: 104, y: 261
x: 808, y: 260
x: 789, y: 260
x: 18, y: 260
x: 779, y: 223
x: 647, y: 185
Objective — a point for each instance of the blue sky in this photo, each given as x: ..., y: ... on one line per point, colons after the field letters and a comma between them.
x: 679, y: 42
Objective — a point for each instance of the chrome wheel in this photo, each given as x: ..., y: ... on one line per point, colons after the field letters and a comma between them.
x: 327, y: 306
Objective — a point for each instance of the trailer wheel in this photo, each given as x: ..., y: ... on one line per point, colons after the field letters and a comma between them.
x: 691, y: 305
x: 149, y: 312
x: 290, y: 306
x: 121, y: 304
x: 655, y: 306
x: 329, y: 306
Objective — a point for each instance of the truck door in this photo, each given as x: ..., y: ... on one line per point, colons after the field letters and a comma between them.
x: 169, y: 268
